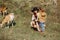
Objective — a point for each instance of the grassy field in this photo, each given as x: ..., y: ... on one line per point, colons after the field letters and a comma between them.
x: 22, y: 30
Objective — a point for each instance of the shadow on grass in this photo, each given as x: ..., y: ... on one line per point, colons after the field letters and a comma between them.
x: 10, y: 25
x: 34, y: 28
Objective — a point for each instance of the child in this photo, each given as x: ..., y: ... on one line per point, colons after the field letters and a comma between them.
x: 34, y: 22
x: 42, y: 19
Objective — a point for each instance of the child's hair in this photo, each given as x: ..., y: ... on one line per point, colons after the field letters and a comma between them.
x: 35, y: 9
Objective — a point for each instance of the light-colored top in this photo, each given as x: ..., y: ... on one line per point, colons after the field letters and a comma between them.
x: 34, y: 17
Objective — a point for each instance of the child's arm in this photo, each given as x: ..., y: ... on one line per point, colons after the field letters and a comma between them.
x: 45, y: 15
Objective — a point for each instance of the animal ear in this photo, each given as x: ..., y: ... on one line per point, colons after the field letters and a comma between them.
x: 0, y: 25
x: 6, y: 7
x: 0, y: 21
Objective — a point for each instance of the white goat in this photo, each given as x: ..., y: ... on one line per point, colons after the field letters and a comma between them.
x: 8, y: 19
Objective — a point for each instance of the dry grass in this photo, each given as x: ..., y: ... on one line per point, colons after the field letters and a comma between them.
x: 22, y: 29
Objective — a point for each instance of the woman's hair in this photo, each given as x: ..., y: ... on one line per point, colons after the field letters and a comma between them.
x: 41, y: 9
x: 35, y: 9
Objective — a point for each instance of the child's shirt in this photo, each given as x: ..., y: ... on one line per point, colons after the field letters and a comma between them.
x: 34, y: 17
x: 41, y: 16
